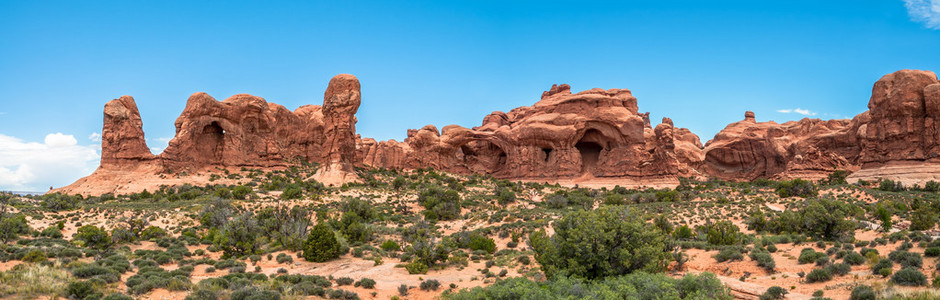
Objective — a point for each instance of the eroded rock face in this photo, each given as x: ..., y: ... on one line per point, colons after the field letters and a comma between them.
x: 122, y: 136
x: 748, y: 149
x: 591, y: 134
x: 901, y: 125
x: 594, y: 133
x: 903, y: 121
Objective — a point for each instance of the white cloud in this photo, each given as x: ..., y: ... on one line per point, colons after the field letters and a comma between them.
x: 924, y: 11
x: 32, y: 166
x: 156, y: 150
x: 801, y: 111
x: 95, y: 137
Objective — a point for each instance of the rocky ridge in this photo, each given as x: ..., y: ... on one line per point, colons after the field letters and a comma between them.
x: 593, y: 135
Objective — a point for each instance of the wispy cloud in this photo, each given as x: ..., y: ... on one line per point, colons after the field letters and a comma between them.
x: 924, y: 11
x: 33, y: 166
x: 801, y: 111
x: 95, y: 137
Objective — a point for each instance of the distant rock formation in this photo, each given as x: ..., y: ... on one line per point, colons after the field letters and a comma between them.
x: 591, y: 134
x: 597, y: 133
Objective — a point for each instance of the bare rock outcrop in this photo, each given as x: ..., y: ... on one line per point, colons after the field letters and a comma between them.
x: 122, y: 136
x: 594, y: 133
x: 748, y: 149
x: 340, y: 103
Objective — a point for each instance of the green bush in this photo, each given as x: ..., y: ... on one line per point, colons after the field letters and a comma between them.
x: 239, y: 236
x: 796, y: 188
x: 80, y: 290
x: 430, y: 285
x: 764, y: 260
x: 321, y: 244
x: 723, y: 233
x: 808, y: 255
x: 729, y: 253
x: 853, y: 258
x: 416, y: 268
x: 923, y: 218
x: 366, y: 283
x: 862, y: 292
x: 93, y: 237
x: 909, y: 277
x: 638, y: 285
x: 819, y: 275
x: 390, y: 245
x: 12, y: 226
x: 573, y: 249
x: 440, y: 203
x: 774, y: 293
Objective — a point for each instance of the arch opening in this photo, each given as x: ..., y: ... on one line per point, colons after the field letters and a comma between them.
x: 482, y: 156
x: 548, y: 152
x: 212, y: 140
x: 589, y: 147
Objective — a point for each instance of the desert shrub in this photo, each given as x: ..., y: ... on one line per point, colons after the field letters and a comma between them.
x: 862, y: 292
x: 774, y: 293
x: 909, y: 277
x: 883, y: 267
x: 152, y: 232
x: 284, y: 258
x: 723, y: 233
x: 764, y: 260
x: 344, y: 281
x: 12, y: 226
x: 505, y: 195
x: 638, y: 285
x: 840, y: 269
x: 216, y: 213
x: 58, y: 202
x: 440, y: 203
x: 796, y: 188
x: 286, y: 226
x: 853, y: 258
x: 239, y: 236
x: 240, y: 192
x: 729, y: 253
x: 119, y: 296
x: 292, y: 192
x: 366, y: 283
x: 906, y: 259
x: 321, y: 244
x: 923, y: 218
x: 822, y: 218
x: 932, y: 186
x: 889, y: 185
x: 808, y: 255
x: 416, y: 267
x: 819, y: 275
x: 836, y: 177
x: 390, y: 245
x: 932, y: 252
x: 683, y: 233
x: 577, y: 235
x: 93, y: 237
x: 430, y: 285
x: 80, y: 290
x: 475, y: 241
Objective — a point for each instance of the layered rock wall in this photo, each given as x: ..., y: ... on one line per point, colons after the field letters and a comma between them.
x: 591, y: 134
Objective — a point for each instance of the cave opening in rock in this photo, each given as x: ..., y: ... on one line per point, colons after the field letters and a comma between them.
x: 590, y: 147
x: 481, y: 156
x: 548, y: 151
x: 212, y: 141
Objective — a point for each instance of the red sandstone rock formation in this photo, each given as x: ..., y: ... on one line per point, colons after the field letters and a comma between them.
x: 748, y: 149
x: 340, y: 103
x: 122, y: 136
x: 594, y: 133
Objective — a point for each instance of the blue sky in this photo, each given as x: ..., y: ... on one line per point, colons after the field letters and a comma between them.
x: 701, y: 63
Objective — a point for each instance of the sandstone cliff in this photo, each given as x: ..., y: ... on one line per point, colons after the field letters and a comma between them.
x: 593, y: 135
